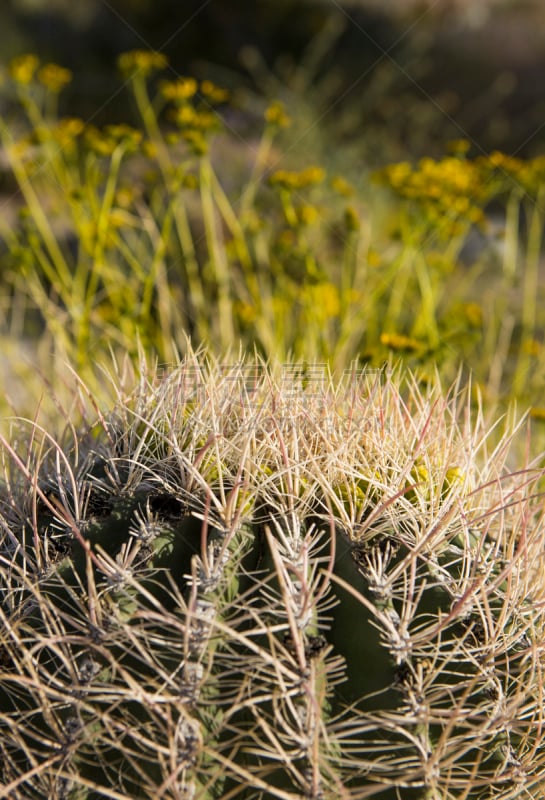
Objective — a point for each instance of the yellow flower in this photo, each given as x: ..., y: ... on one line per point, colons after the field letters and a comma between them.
x: 434, y: 190
x: 53, y: 77
x: 459, y: 146
x: 476, y: 215
x: 71, y: 126
x: 395, y: 175
x: 474, y: 314
x: 23, y: 68
x: 214, y: 93
x: 297, y: 180
x: 105, y: 142
x: 124, y: 133
x: 188, y: 117
x: 276, y: 115
x: 307, y: 214
x: 97, y: 141
x: 207, y: 121
x: 124, y: 197
x: 22, y: 149
x: 141, y: 62
x: 461, y: 205
x: 66, y: 131
x: 149, y: 149
x: 190, y: 181
x: 505, y: 162
x: 396, y: 341
x: 178, y: 91
x: 172, y: 139
x: 311, y: 176
x: 196, y: 141
x: 119, y: 218
x: 184, y: 117
x: 284, y: 179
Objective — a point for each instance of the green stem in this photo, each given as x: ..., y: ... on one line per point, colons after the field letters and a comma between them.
x: 530, y: 291
x: 426, y: 321
x: 151, y: 125
x: 511, y: 247
x: 63, y: 273
x: 262, y: 156
x: 89, y: 276
x: 397, y: 280
x: 217, y: 256
x: 531, y: 273
x: 156, y: 282
x: 193, y: 278
x: 288, y: 209
x: 232, y: 221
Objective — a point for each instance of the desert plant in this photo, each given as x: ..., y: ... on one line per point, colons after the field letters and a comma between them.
x: 257, y: 581
x: 202, y: 220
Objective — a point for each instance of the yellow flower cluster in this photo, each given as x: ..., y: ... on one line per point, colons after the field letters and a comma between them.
x: 178, y: 91
x: 187, y: 116
x: 125, y: 197
x: 449, y: 189
x: 507, y: 173
x: 433, y: 179
x: 307, y: 214
x: 67, y: 131
x: 214, y: 94
x: 104, y: 142
x: 456, y: 189
x: 459, y: 147
x: 276, y: 116
x: 141, y: 62
x: 396, y: 341
x: 64, y: 134
x: 196, y: 141
x: 53, y: 77
x: 293, y: 181
x: 194, y: 120
x: 23, y: 68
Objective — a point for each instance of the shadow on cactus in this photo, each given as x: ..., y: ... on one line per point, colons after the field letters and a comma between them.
x: 244, y: 583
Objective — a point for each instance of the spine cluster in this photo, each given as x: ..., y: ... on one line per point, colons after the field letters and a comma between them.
x: 236, y: 586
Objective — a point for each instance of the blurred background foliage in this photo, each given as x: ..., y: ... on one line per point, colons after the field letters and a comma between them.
x: 424, y: 72
x: 336, y: 266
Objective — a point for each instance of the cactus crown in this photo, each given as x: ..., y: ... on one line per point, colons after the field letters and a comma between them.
x: 259, y: 583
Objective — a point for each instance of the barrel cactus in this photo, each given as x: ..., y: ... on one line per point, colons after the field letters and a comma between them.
x: 248, y: 582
